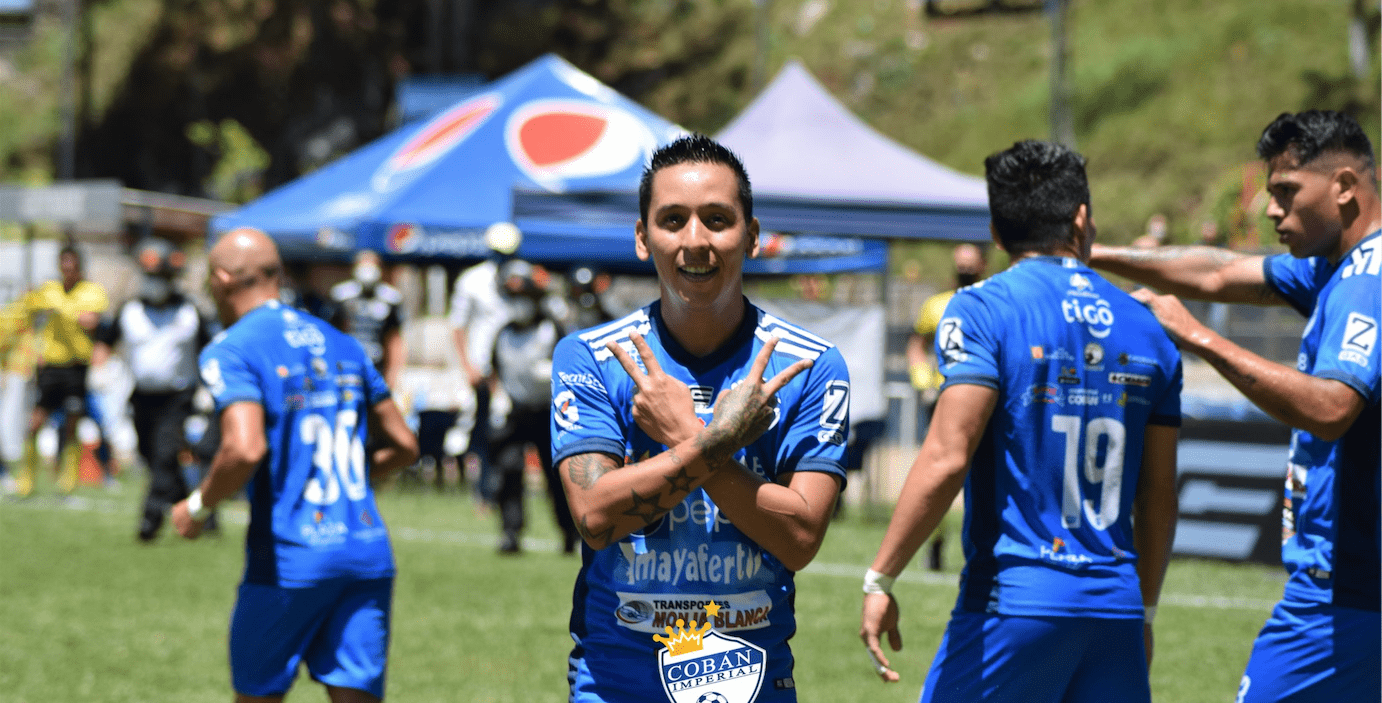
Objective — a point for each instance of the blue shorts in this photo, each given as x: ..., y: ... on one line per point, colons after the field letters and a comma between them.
x: 996, y: 658
x: 340, y: 629
x: 1315, y: 652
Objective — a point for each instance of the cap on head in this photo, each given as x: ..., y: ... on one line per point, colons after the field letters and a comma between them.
x: 503, y: 238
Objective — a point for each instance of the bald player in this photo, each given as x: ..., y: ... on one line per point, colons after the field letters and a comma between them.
x: 295, y: 397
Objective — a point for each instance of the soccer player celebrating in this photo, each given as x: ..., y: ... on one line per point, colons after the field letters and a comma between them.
x: 295, y: 397
x: 1321, y: 642
x: 1059, y: 416
x: 700, y: 442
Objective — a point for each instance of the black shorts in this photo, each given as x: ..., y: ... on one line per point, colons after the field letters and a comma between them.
x: 63, y: 388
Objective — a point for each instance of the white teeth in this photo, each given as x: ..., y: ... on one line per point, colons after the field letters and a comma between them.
x: 697, y: 269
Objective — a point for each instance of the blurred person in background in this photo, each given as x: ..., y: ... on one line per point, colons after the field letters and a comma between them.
x: 1062, y: 428
x: 1155, y: 235
x: 68, y: 312
x: 370, y: 310
x: 1321, y: 641
x: 298, y: 292
x: 522, y: 362
x: 19, y: 352
x: 969, y: 264
x: 163, y: 331
x: 586, y: 286
x: 298, y: 401
x: 478, y: 311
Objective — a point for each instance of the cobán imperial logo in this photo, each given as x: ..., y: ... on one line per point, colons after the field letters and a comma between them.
x: 702, y: 665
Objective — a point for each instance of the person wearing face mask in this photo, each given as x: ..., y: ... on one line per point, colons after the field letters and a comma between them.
x: 969, y: 267
x: 368, y: 309
x: 162, y: 332
x: 522, y: 363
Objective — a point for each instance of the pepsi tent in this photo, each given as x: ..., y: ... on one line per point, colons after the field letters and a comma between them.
x: 816, y: 167
x: 427, y: 191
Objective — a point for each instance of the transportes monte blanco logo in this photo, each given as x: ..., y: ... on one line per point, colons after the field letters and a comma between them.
x: 553, y: 141
x: 439, y: 136
x: 700, y: 665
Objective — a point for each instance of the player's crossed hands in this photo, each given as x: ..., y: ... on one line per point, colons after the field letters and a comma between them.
x: 663, y: 407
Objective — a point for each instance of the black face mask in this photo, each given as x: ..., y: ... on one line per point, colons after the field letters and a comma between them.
x: 156, y: 290
x: 966, y: 279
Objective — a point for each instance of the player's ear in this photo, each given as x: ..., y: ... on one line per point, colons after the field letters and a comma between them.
x: 640, y: 240
x: 1082, y: 228
x: 753, y: 239
x: 1346, y: 185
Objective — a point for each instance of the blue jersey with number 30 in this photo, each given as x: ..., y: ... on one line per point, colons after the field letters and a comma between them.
x: 694, y: 554
x: 1081, y: 369
x: 1330, y: 526
x: 312, y: 512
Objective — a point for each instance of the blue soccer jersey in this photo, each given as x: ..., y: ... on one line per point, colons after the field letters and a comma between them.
x: 1330, y: 525
x: 1081, y: 370
x: 312, y: 512
x: 693, y: 555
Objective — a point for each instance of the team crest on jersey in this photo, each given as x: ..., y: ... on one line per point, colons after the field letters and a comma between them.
x: 699, y: 665
x: 952, y: 341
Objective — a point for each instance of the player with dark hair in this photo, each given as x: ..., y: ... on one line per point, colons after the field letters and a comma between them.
x: 1059, y: 416
x: 700, y: 442
x: 1321, y: 641
x: 298, y: 401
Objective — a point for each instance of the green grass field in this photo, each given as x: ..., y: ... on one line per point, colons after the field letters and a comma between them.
x: 89, y: 614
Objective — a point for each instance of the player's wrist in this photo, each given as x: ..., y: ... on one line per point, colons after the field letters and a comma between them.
x: 878, y: 582
x: 196, y: 508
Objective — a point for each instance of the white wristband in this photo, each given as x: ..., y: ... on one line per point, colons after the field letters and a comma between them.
x: 878, y: 582
x: 1149, y: 613
x: 195, y: 508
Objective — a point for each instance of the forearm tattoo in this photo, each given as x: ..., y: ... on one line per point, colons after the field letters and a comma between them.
x: 597, y: 540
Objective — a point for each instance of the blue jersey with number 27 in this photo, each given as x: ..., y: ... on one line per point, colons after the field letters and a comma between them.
x: 312, y: 511
x: 1081, y: 369
x: 1330, y: 526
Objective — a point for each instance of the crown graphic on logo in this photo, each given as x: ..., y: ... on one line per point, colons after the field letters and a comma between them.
x: 684, y: 641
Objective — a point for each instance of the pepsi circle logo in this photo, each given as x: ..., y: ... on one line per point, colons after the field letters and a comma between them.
x: 439, y: 136
x: 553, y: 141
x: 402, y: 238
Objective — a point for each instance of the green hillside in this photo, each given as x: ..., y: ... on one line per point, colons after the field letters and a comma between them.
x: 1168, y: 95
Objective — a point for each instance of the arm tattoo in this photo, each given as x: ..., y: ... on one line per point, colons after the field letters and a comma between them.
x: 1234, y: 376
x: 645, y: 509
x: 586, y: 469
x: 600, y: 540
x: 680, y: 481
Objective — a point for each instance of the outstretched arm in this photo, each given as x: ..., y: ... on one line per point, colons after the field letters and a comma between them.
x: 1323, y: 407
x: 1154, y: 517
x: 962, y: 413
x: 1197, y: 272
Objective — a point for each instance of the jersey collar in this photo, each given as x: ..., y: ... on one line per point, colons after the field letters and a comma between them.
x: 698, y: 364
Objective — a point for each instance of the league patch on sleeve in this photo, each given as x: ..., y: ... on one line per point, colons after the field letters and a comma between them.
x: 952, y: 341
x: 1360, y: 336
x: 211, y: 376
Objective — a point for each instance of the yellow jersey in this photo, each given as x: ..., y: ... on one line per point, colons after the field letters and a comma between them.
x: 925, y: 375
x: 64, y: 341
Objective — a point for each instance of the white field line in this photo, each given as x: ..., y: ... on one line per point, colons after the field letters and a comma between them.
x: 239, y: 516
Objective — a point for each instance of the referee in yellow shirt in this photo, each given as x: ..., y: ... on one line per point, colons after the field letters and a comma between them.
x: 969, y: 268
x: 68, y: 312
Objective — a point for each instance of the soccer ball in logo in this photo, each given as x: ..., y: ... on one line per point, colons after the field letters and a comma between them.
x: 712, y: 697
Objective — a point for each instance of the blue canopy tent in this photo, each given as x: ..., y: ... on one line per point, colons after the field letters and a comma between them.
x: 427, y: 191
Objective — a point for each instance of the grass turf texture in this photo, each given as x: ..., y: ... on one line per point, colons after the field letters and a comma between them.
x: 88, y: 613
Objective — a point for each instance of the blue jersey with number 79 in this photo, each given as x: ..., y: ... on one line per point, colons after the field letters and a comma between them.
x: 312, y: 511
x: 1081, y: 369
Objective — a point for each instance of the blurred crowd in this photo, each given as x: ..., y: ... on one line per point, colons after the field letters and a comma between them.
x: 62, y: 396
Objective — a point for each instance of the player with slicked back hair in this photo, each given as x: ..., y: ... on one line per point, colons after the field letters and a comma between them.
x: 701, y: 444
x: 1321, y: 642
x: 1059, y: 416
